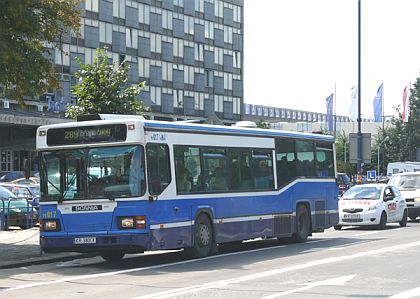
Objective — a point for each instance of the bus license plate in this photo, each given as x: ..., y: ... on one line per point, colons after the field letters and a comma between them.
x: 351, y: 216
x: 85, y: 240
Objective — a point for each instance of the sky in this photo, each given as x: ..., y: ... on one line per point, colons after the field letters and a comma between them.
x: 298, y: 52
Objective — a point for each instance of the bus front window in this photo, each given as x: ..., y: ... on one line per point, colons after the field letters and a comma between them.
x: 115, y: 172
x: 106, y: 172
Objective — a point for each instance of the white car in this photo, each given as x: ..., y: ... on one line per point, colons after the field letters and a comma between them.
x: 408, y: 183
x: 372, y: 204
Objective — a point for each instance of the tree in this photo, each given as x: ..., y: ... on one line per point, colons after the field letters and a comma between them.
x: 25, y: 69
x: 263, y: 124
x: 413, y: 125
x: 102, y: 88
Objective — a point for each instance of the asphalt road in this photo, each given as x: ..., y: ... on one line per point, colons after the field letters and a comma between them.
x: 352, y: 263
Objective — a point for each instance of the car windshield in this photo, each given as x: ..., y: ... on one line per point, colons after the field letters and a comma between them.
x: 106, y: 172
x: 363, y: 192
x: 6, y: 194
x: 405, y: 181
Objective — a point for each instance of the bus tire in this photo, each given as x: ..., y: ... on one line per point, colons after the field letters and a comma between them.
x: 302, y: 224
x: 112, y: 256
x: 338, y: 227
x: 203, y: 238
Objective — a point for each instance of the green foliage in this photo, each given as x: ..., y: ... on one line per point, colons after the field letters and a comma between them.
x: 24, y: 27
x: 102, y: 88
x: 263, y: 124
x: 343, y: 154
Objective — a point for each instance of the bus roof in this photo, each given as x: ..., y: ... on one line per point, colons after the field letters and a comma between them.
x: 154, y: 125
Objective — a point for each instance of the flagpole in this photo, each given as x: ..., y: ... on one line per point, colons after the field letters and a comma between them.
x: 335, y: 109
x: 359, y: 114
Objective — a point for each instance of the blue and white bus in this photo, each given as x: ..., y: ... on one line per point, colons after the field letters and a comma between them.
x: 122, y: 184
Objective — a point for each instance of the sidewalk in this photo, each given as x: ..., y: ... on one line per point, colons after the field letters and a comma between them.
x: 20, y: 248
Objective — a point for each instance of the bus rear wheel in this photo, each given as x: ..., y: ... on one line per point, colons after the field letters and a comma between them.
x: 302, y: 225
x: 203, y: 238
x: 112, y: 256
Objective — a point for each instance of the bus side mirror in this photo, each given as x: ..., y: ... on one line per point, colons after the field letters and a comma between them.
x: 26, y: 168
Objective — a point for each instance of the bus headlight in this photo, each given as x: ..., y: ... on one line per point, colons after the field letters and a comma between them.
x: 50, y: 225
x: 417, y: 199
x: 132, y: 222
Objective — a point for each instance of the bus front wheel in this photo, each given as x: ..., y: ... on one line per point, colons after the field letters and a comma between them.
x: 302, y: 224
x: 112, y: 256
x: 203, y: 238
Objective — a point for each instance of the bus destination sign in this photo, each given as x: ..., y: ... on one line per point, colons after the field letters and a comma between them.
x: 88, y: 134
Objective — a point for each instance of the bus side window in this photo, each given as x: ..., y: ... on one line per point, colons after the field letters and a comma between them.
x: 158, y: 167
x: 285, y: 161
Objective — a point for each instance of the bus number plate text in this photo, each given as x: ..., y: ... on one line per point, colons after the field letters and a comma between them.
x: 85, y: 240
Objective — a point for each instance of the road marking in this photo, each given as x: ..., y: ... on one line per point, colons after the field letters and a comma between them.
x: 338, y: 281
x: 365, y: 234
x: 407, y: 294
x: 105, y: 274
x: 241, y: 279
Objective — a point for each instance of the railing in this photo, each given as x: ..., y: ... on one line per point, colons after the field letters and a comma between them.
x: 5, y: 219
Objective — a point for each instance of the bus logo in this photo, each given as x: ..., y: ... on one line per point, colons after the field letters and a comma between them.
x: 86, y: 208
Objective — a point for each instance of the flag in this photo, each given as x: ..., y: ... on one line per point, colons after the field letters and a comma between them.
x: 377, y: 104
x: 406, y: 102
x: 353, y: 104
x: 330, y: 109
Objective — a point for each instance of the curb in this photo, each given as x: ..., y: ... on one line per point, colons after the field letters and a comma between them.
x: 47, y: 260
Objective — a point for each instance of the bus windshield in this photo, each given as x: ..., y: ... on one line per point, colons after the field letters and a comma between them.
x: 92, y: 173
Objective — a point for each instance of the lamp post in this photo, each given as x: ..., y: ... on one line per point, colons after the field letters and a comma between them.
x: 379, y: 146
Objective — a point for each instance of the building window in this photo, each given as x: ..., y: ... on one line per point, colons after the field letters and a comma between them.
x: 144, y: 67
x: 208, y: 77
x: 209, y: 30
x: 189, y: 25
x: 179, y: 3
x: 91, y: 5
x: 62, y: 57
x: 218, y: 8
x: 178, y: 98
x: 228, y: 34
x: 236, y: 13
x: 166, y: 71
x: 156, y: 95
x: 105, y: 32
x: 178, y: 47
x: 156, y: 43
x: 131, y: 38
x: 189, y: 75
x: 198, y: 52
x: 144, y: 14
x: 118, y: 8
x: 199, y: 5
x: 228, y: 81
x: 167, y: 19
x: 237, y: 60
x: 218, y: 103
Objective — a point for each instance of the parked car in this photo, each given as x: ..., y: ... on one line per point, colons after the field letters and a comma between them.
x: 372, y: 204
x: 7, y: 176
x: 343, y: 183
x: 25, y: 191
x: 30, y: 180
x: 408, y: 183
x: 17, y: 212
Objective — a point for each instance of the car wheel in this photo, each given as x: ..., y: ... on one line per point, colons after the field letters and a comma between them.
x: 203, y: 238
x: 403, y: 221
x: 382, y: 222
x: 112, y: 256
x: 338, y: 227
x: 302, y: 225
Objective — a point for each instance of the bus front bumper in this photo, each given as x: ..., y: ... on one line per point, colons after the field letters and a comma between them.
x: 133, y: 243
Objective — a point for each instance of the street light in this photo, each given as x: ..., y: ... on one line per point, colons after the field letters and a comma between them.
x: 379, y: 146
